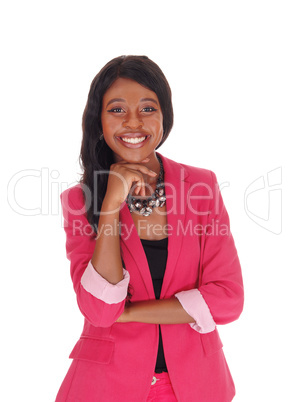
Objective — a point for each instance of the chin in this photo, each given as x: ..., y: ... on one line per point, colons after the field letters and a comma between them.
x: 136, y: 158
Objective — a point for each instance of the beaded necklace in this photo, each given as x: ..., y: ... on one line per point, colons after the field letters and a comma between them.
x: 157, y: 199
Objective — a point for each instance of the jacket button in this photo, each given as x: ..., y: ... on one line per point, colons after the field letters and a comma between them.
x: 154, y: 380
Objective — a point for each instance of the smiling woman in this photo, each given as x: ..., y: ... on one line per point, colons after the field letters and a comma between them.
x: 135, y: 121
x: 151, y: 300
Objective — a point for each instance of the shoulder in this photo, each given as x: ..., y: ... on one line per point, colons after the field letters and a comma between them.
x: 73, y: 196
x: 198, y: 174
x: 192, y: 173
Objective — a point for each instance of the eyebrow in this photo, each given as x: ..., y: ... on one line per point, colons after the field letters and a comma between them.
x: 123, y: 100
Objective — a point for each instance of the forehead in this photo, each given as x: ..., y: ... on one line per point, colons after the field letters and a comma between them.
x: 129, y: 90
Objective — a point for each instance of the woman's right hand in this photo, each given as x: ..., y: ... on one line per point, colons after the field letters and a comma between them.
x: 121, y: 178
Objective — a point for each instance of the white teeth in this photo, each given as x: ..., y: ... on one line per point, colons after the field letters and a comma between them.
x: 133, y: 140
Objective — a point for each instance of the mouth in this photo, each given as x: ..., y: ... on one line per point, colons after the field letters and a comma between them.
x: 133, y: 141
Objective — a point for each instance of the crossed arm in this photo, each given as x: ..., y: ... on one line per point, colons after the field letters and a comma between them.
x: 164, y: 311
x: 102, y: 306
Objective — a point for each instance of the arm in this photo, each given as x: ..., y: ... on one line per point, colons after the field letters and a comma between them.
x: 99, y: 280
x: 106, y: 258
x: 164, y: 311
x: 220, y: 282
x: 100, y: 294
x: 219, y: 297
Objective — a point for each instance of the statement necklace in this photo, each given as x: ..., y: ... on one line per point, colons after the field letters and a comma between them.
x: 157, y: 199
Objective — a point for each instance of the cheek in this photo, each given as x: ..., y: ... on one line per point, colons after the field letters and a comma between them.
x: 107, y: 123
x: 158, y: 124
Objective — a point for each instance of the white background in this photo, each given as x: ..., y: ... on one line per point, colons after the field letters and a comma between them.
x: 227, y: 64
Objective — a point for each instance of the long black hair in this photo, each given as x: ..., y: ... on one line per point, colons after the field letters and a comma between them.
x: 95, y: 155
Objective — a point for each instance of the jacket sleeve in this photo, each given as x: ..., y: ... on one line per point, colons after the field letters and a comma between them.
x: 219, y: 298
x: 99, y: 301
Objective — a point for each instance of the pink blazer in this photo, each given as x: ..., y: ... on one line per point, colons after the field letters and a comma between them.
x: 115, y: 361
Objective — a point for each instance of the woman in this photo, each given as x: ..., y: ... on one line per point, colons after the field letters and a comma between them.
x: 153, y: 262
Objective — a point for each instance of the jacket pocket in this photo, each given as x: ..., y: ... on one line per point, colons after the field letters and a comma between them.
x: 93, y: 350
x: 211, y: 342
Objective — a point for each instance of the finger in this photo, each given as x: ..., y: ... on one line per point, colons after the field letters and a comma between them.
x: 144, y: 190
x: 136, y: 181
x: 140, y: 187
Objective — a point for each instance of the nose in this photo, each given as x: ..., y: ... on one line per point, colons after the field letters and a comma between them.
x: 133, y: 121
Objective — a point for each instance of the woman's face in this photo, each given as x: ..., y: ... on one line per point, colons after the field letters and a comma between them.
x: 129, y: 113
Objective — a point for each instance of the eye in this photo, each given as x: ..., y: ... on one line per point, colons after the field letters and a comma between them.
x: 151, y: 109
x: 115, y: 110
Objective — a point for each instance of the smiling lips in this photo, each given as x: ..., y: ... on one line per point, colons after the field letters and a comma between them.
x: 133, y: 140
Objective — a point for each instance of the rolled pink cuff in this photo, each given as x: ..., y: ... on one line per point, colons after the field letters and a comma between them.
x: 103, y: 290
x: 194, y: 304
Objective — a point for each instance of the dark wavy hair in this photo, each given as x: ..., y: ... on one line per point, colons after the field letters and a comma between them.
x: 95, y: 155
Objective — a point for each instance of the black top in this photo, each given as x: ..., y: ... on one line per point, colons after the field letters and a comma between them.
x: 156, y: 252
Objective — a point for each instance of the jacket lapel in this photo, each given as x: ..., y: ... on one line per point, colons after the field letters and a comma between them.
x: 176, y: 188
